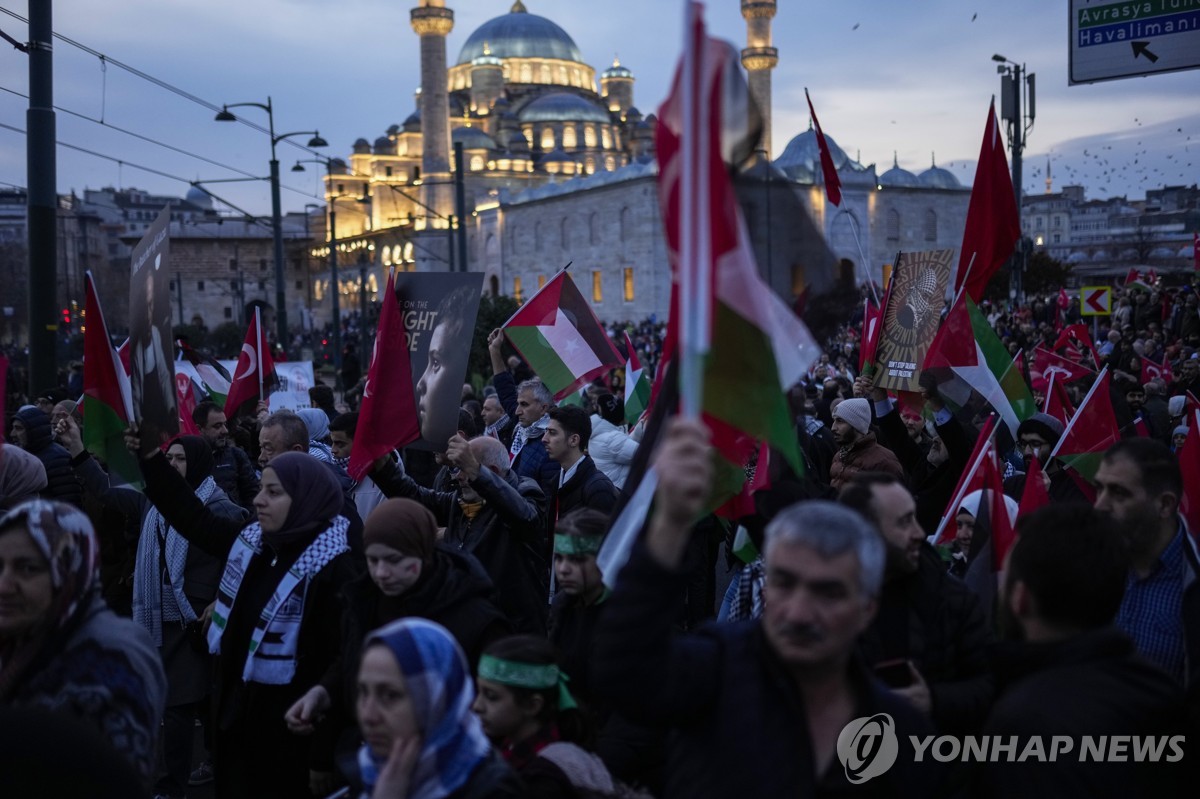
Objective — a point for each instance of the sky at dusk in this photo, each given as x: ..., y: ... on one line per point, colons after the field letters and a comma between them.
x: 912, y: 78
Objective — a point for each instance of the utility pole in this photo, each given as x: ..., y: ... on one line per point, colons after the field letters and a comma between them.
x: 460, y: 206
x: 42, y: 177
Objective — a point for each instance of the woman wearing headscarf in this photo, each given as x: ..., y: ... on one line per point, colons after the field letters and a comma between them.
x: 22, y: 476
x: 274, y: 626
x: 61, y: 647
x: 968, y: 513
x: 173, y: 583
x: 420, y: 738
x: 409, y: 575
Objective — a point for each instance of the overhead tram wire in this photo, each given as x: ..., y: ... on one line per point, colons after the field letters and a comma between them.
x: 104, y: 59
x: 151, y: 170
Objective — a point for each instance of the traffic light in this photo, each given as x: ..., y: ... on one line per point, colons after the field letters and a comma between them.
x: 66, y: 317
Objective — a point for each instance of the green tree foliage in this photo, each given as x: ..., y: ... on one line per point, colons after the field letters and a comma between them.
x: 493, y: 312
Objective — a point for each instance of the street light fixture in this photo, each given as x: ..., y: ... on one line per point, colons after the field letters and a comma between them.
x: 1016, y: 85
x: 333, y: 262
x: 276, y: 216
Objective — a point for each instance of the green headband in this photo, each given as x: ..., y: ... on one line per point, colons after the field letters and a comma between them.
x: 577, y: 544
x: 539, y: 676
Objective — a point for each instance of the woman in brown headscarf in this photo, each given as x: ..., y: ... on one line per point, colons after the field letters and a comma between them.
x: 409, y: 575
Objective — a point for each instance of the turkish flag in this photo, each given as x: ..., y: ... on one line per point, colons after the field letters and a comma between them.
x: 254, y: 378
x: 1077, y: 334
x: 1047, y: 363
x: 388, y: 416
x: 1159, y: 371
x: 1132, y: 277
x: 833, y: 185
x: 1058, y: 402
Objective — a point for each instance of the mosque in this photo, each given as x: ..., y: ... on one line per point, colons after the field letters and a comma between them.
x: 553, y: 171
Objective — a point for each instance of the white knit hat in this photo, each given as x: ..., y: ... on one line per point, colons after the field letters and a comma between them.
x: 1175, y: 405
x: 855, y: 412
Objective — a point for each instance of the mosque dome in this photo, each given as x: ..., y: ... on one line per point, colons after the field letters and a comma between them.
x: 563, y: 107
x: 361, y: 146
x: 472, y: 139
x: 384, y: 146
x: 937, y: 178
x: 519, y: 34
x: 199, y: 197
x: 801, y: 159
x: 898, y: 177
x: 616, y: 71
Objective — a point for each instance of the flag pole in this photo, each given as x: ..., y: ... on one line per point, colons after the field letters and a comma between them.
x: 863, y: 255
x: 1049, y: 394
x: 1073, y: 419
x: 966, y: 277
x: 258, y: 329
x: 694, y: 257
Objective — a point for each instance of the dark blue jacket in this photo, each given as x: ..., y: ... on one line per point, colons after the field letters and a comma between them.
x: 61, y: 483
x: 737, y: 722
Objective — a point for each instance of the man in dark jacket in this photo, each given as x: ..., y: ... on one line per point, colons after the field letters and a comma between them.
x: 232, y: 469
x: 528, y: 404
x: 928, y: 640
x: 494, y: 515
x: 580, y: 484
x: 1069, y: 673
x: 31, y: 432
x: 771, y: 695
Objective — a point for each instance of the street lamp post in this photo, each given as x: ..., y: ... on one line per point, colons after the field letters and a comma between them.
x: 276, y: 217
x: 333, y: 262
x: 1012, y: 90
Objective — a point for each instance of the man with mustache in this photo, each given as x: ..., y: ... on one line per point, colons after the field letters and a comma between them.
x: 788, y: 682
x: 928, y: 640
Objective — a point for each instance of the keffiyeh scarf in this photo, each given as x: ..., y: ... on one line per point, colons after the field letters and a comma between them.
x: 160, y: 545
x: 271, y: 656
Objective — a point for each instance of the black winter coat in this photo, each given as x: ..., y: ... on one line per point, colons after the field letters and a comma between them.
x: 726, y: 698
x: 61, y: 484
x: 235, y: 474
x: 1093, y: 684
x: 507, y: 536
x: 932, y: 618
x: 588, y: 488
x: 932, y: 486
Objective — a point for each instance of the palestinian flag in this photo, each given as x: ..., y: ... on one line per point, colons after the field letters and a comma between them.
x: 107, y: 403
x: 1091, y: 431
x: 213, y: 378
x: 560, y: 337
x: 967, y: 355
x: 637, y: 386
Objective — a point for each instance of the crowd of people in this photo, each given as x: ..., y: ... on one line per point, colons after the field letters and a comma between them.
x: 442, y: 626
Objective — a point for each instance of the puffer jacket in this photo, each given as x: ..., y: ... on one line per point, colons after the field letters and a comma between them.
x: 864, y: 455
x: 61, y: 483
x: 612, y: 449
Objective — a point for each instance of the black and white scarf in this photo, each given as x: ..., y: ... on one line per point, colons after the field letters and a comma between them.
x: 159, y: 545
x: 522, y: 433
x: 271, y: 656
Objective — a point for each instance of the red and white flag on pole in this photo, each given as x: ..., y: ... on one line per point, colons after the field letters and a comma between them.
x: 993, y: 225
x: 388, y: 416
x: 833, y: 184
x: 254, y: 378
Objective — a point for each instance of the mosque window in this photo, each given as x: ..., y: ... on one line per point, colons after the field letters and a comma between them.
x: 506, y: 71
x: 930, y: 225
x: 541, y: 281
x: 544, y: 74
x: 517, y: 289
x: 570, y: 142
x: 589, y: 136
x: 605, y: 139
x: 893, y: 225
x: 562, y: 74
x: 387, y: 171
x: 592, y: 229
x: 597, y: 286
x: 589, y: 165
x: 626, y: 223
x: 629, y: 284
x: 610, y: 163
x: 576, y: 78
x: 476, y: 163
x: 526, y: 73
x: 547, y: 138
x: 537, y: 237
x: 494, y: 283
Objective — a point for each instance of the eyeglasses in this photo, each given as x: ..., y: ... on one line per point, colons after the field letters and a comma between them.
x: 1034, y: 443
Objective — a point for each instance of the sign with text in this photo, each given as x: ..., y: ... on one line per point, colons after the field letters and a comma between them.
x: 439, y: 312
x: 1132, y: 38
x: 911, y: 318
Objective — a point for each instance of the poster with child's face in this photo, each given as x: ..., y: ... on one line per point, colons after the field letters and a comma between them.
x: 439, y: 312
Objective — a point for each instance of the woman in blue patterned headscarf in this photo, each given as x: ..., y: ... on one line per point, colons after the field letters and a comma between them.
x: 61, y: 647
x: 421, y: 740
